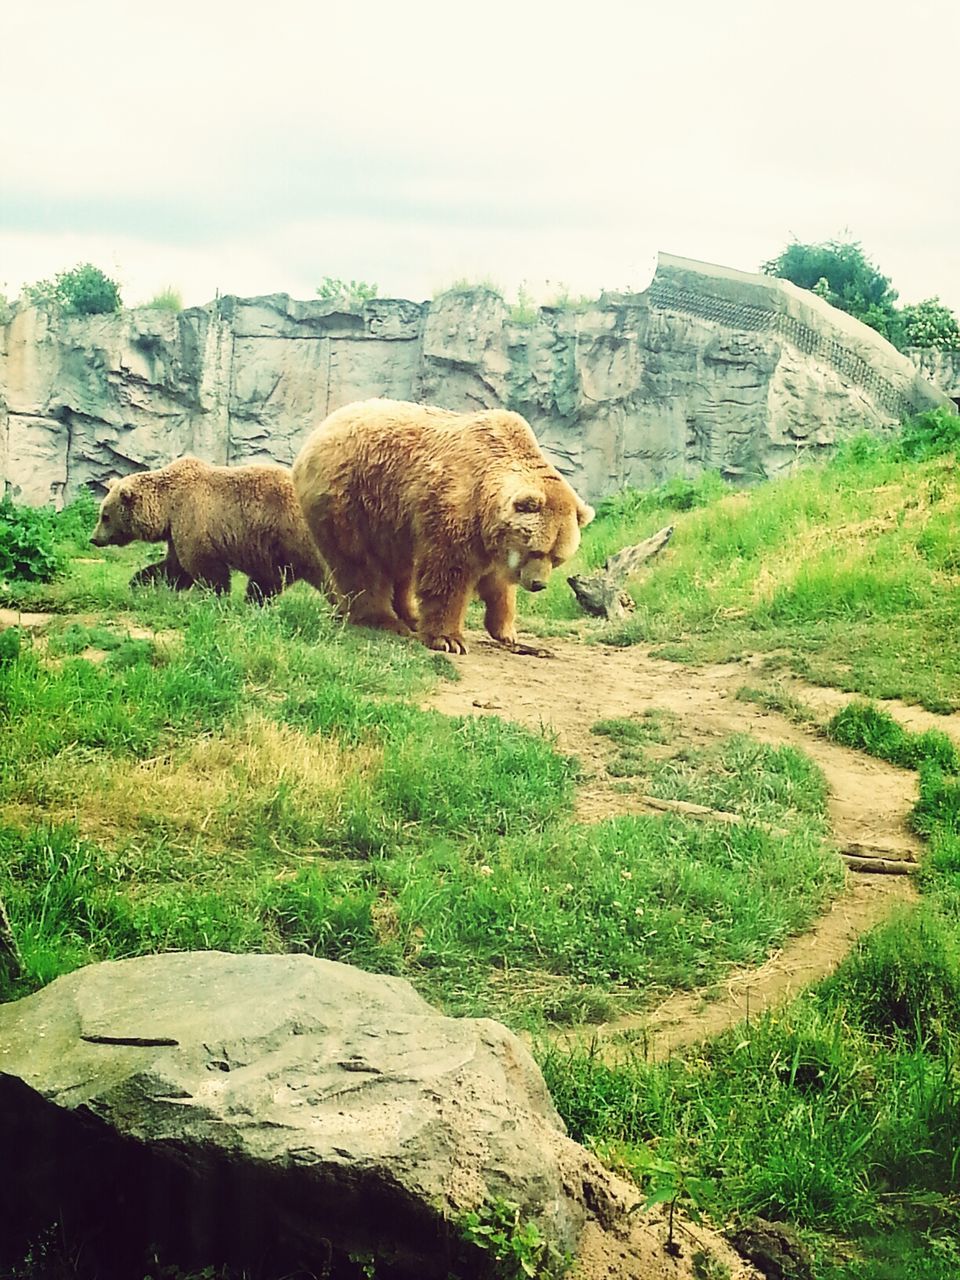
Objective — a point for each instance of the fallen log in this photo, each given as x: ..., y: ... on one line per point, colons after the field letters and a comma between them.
x: 691, y: 810
x: 890, y: 853
x: 880, y: 866
x: 601, y: 594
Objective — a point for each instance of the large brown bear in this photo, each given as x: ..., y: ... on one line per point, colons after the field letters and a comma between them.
x: 214, y: 519
x: 415, y: 509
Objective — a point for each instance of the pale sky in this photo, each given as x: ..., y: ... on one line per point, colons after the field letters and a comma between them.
x: 259, y: 148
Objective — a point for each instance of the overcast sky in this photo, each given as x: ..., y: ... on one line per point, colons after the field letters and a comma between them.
x: 259, y: 148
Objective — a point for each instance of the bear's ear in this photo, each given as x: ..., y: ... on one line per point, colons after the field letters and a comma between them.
x: 110, y: 482
x: 585, y: 513
x: 127, y: 497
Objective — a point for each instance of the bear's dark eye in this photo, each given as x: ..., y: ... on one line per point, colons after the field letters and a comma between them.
x: 106, y: 519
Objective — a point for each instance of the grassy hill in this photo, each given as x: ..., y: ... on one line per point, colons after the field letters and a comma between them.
x: 181, y: 772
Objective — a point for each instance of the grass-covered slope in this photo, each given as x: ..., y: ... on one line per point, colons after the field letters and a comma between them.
x: 177, y: 772
x: 847, y: 574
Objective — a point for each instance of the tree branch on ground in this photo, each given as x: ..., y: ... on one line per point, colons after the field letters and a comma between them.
x: 601, y: 594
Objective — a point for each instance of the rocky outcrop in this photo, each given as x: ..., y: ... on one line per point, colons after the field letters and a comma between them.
x: 706, y: 368
x: 224, y: 1108
x: 942, y: 368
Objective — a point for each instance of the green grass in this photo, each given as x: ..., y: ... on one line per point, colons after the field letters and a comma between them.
x: 875, y: 731
x: 837, y: 1113
x: 183, y: 771
x: 797, y: 1116
x: 776, y: 785
x: 651, y: 726
x: 574, y: 916
x: 844, y: 574
x: 168, y: 299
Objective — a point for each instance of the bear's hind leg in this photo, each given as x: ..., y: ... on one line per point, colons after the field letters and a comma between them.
x: 365, y: 593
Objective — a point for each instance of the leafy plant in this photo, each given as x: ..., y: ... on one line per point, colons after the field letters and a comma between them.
x: 9, y: 645
x: 931, y: 324
x: 518, y: 1249
x: 333, y: 289
x: 27, y: 547
x: 524, y: 310
x: 928, y: 435
x: 83, y: 291
x: 664, y: 1179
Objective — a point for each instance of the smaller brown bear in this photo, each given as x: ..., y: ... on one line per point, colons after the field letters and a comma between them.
x: 213, y: 519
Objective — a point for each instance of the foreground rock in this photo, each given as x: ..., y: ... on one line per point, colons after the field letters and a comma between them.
x: 282, y: 1112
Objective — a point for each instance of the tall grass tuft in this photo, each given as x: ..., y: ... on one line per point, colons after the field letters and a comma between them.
x: 871, y: 729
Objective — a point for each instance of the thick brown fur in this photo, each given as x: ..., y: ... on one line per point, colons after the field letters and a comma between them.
x: 416, y: 509
x: 213, y: 519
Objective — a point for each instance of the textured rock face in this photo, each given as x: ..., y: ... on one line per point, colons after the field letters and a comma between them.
x: 942, y: 368
x: 706, y: 368
x: 227, y: 1107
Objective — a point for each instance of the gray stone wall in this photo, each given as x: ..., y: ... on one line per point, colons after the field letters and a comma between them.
x: 706, y: 368
x: 942, y: 368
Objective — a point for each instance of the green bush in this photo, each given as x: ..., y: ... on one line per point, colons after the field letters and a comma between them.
x: 76, y: 522
x: 929, y: 435
x: 28, y: 550
x: 84, y: 291
x: 332, y: 289
x: 931, y: 324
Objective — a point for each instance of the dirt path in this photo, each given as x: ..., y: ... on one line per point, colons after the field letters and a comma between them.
x: 580, y: 684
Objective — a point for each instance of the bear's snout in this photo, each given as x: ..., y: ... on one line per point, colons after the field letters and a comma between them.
x: 535, y: 574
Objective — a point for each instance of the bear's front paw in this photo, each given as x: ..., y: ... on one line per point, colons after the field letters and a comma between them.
x: 508, y: 638
x: 452, y: 642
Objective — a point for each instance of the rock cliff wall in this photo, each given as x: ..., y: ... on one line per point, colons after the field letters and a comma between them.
x: 942, y: 368
x: 706, y: 368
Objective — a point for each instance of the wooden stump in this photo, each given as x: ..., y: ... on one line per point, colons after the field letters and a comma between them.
x: 601, y: 593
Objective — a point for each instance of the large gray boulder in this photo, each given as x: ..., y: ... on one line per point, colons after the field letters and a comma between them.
x: 221, y: 1107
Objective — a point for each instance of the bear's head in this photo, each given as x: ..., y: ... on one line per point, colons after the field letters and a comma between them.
x: 130, y: 512
x: 539, y: 527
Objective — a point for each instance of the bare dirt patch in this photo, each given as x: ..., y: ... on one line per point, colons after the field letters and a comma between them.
x: 581, y: 684
x: 29, y: 621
